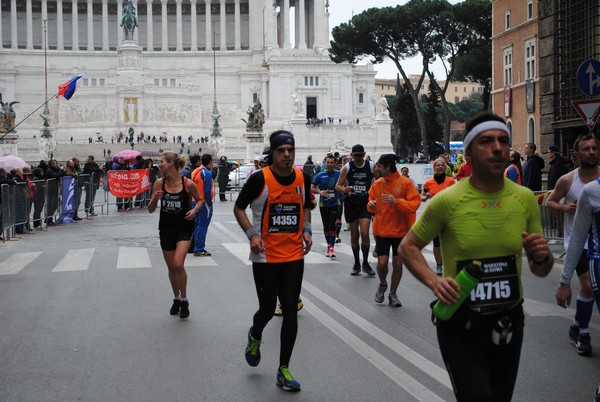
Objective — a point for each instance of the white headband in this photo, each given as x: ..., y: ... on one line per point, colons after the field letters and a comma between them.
x: 481, y: 127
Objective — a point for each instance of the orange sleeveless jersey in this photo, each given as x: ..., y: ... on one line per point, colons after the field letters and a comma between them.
x: 434, y: 188
x: 283, y: 218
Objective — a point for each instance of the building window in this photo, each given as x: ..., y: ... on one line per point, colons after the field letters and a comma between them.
x: 530, y: 59
x: 508, y: 66
x: 93, y: 82
x: 464, y: 89
x: 361, y: 98
x: 507, y: 20
x: 101, y: 80
x: 156, y: 82
x: 455, y: 89
x: 164, y: 82
x: 254, y: 97
x: 529, y: 9
x: 85, y: 82
x: 314, y: 81
x: 456, y: 99
x: 531, y: 130
x: 172, y: 82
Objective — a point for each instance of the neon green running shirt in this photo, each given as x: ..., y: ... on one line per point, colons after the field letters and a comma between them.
x: 474, y: 225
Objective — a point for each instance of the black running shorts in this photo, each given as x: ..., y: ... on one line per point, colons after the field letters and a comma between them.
x: 170, y: 238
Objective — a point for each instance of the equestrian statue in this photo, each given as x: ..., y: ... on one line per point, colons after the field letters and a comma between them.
x: 129, y: 19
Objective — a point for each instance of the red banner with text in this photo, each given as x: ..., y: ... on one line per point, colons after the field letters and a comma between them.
x: 128, y: 183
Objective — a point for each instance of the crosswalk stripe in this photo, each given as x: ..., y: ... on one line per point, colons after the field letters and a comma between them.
x: 16, y: 262
x: 75, y: 260
x: 315, y: 257
x: 224, y: 234
x: 192, y: 261
x: 395, y: 373
x: 133, y: 257
x: 240, y: 250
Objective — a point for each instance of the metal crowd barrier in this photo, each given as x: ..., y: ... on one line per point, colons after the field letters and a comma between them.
x: 25, y: 207
x: 552, y: 221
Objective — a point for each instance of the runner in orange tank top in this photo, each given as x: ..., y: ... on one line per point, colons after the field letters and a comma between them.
x: 280, y: 235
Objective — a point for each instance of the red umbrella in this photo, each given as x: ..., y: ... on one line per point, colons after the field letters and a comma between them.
x: 128, y: 154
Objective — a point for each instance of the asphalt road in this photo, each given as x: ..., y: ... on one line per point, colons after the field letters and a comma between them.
x: 84, y: 317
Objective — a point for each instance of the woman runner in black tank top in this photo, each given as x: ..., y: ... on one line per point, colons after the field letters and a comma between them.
x: 173, y: 210
x: 176, y: 223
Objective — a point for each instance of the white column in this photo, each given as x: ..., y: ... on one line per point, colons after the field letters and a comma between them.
x: 1, y: 43
x: 90, y: 26
x: 223, y: 26
x: 264, y: 100
x: 29, y: 24
x: 285, y: 24
x: 179, y: 26
x: 44, y: 18
x: 326, y: 29
x: 208, y: 28
x: 268, y: 24
x: 301, y: 12
x: 13, y: 24
x: 238, y: 26
x: 119, y: 27
x: 60, y: 44
x: 296, y: 25
x: 319, y: 24
x: 149, y: 26
x: 105, y: 25
x: 164, y: 46
x: 75, y: 24
x: 194, y: 30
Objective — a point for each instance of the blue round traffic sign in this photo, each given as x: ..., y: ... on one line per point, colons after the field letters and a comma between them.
x: 588, y: 77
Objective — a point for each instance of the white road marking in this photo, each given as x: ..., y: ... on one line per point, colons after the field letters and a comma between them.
x: 240, y: 250
x: 75, y: 260
x: 16, y: 262
x: 315, y: 257
x: 133, y: 257
x: 436, y: 372
x: 224, y: 234
x: 396, y: 374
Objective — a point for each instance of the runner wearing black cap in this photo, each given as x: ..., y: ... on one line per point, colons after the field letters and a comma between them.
x: 355, y: 181
x: 280, y: 235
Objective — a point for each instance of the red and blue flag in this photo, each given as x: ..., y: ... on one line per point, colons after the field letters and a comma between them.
x: 68, y: 88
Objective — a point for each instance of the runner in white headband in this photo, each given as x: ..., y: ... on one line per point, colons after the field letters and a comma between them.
x: 481, y: 127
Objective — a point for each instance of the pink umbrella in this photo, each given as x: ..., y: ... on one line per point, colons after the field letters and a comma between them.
x: 10, y: 162
x: 128, y: 154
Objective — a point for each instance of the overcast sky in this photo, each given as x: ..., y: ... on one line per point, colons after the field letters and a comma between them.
x: 342, y: 10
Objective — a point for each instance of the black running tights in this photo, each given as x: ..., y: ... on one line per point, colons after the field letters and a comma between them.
x: 283, y: 280
x: 480, y: 370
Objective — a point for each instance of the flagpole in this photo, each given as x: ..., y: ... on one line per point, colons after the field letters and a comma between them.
x: 46, y: 110
x: 26, y: 117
